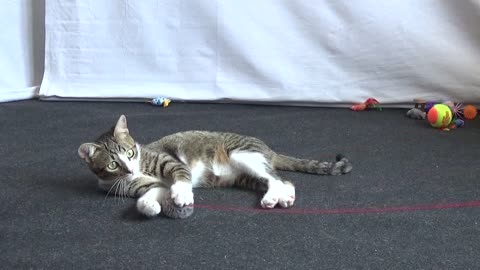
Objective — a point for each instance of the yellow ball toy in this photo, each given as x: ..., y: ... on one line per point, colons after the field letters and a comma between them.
x: 440, y: 116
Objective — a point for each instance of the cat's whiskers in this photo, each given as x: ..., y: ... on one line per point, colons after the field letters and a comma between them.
x: 118, y: 190
x: 122, y: 190
x: 111, y: 188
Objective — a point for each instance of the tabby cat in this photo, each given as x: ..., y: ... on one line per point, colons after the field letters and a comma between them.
x: 177, y: 163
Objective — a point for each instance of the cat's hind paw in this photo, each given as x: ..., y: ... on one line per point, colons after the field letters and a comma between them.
x: 280, y: 193
x: 287, y: 199
x: 148, y: 207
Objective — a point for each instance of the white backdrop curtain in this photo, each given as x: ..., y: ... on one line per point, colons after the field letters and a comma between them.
x: 22, y: 40
x: 293, y: 51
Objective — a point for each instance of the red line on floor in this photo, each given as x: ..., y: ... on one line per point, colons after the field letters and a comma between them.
x: 373, y: 210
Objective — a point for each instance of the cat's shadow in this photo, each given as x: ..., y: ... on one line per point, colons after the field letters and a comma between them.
x: 79, y: 187
x: 130, y: 213
x: 87, y: 189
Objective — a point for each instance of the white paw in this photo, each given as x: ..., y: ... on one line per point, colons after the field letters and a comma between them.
x: 182, y: 193
x: 148, y: 207
x: 287, y: 199
x: 282, y: 194
x: 270, y: 199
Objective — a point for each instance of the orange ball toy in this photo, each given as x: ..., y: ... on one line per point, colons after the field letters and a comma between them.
x: 469, y: 112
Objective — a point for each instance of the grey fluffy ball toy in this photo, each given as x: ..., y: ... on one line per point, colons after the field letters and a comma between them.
x: 416, y: 114
x: 171, y: 210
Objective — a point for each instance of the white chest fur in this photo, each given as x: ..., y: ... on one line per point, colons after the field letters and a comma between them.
x: 198, y: 170
x: 132, y: 164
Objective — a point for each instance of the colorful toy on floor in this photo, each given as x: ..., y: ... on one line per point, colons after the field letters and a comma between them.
x: 456, y: 123
x: 420, y: 104
x: 359, y: 107
x: 370, y: 103
x: 445, y: 116
x: 469, y: 112
x: 457, y: 109
x: 161, y: 101
x: 416, y: 113
x: 429, y: 105
x: 440, y: 116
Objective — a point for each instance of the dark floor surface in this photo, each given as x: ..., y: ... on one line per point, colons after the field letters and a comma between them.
x: 53, y: 217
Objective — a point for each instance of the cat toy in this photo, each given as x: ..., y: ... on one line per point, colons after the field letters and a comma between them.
x: 370, y: 103
x: 440, y: 116
x: 444, y: 116
x: 469, y: 112
x: 456, y: 108
x: 429, y: 105
x: 171, y: 210
x: 160, y: 101
x: 460, y: 113
x: 418, y: 112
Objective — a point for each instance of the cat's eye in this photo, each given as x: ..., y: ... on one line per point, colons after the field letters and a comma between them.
x: 130, y: 153
x: 112, y: 165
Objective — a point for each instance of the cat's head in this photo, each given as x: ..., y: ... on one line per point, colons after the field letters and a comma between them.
x: 113, y: 156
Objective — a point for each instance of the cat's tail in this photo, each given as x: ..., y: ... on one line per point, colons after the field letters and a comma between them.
x: 285, y: 163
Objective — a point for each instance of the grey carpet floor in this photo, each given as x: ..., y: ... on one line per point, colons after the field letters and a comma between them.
x: 411, y: 202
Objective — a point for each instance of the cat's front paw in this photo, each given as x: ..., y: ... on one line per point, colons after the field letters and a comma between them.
x: 148, y: 207
x: 182, y: 193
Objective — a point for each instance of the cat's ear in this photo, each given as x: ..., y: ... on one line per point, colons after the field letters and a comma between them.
x: 121, y: 126
x: 86, y: 151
